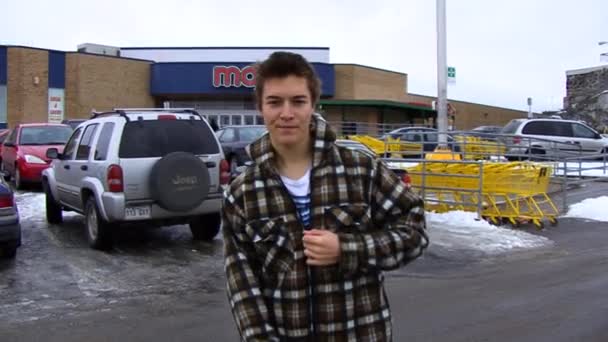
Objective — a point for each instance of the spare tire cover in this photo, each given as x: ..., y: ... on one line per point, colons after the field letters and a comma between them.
x: 179, y: 181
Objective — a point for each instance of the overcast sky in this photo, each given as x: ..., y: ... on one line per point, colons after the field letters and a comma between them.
x: 504, y: 51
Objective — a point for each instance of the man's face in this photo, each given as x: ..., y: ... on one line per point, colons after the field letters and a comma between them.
x: 287, y: 110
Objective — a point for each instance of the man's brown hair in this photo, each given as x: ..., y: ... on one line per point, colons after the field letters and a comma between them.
x: 282, y: 64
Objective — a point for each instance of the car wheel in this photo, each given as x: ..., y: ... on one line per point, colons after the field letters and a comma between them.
x: 7, y: 175
x: 18, y: 181
x: 54, y: 214
x: 179, y: 181
x: 9, y: 252
x: 205, y: 227
x: 605, y: 154
x: 97, y: 230
x: 536, y: 153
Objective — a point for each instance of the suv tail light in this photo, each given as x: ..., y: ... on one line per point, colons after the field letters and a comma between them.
x: 224, y: 172
x: 167, y: 117
x: 516, y: 140
x: 115, y: 182
x: 6, y: 201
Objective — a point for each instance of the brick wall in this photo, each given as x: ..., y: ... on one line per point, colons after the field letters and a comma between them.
x: 470, y: 115
x: 26, y: 100
x: 365, y: 83
x: 102, y: 83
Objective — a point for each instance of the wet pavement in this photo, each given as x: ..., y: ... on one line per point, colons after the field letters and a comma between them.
x: 158, y: 285
x: 56, y: 273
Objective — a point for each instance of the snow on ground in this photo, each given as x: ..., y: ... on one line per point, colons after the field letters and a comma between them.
x: 454, y: 230
x: 30, y: 205
x: 590, y: 208
x: 461, y: 230
x: 589, y: 169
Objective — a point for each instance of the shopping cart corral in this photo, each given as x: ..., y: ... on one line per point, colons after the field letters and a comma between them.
x: 500, y: 193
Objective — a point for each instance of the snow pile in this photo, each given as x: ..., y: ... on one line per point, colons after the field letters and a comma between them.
x: 31, y: 205
x: 589, y: 169
x: 591, y: 208
x: 456, y: 230
x: 462, y: 230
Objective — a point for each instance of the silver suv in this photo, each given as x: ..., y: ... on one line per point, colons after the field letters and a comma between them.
x: 159, y: 166
x: 552, y: 138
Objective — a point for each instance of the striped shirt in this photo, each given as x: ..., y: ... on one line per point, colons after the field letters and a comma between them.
x: 299, y: 189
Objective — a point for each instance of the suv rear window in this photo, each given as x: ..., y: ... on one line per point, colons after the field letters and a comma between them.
x: 550, y: 128
x: 156, y: 138
x: 511, y: 127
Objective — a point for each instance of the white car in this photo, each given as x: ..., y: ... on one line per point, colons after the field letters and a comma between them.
x: 159, y: 166
x: 552, y: 138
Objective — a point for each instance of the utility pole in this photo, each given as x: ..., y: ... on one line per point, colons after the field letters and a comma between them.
x: 442, y: 91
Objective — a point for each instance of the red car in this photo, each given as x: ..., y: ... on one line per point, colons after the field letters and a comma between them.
x: 24, y: 150
x: 3, y: 134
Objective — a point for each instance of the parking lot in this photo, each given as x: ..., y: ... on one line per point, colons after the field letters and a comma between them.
x: 159, y: 284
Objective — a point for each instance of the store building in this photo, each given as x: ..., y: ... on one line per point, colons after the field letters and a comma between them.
x: 38, y: 85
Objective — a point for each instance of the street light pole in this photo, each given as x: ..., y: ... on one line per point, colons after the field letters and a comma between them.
x: 442, y: 92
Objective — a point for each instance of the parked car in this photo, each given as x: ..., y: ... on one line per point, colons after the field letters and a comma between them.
x: 427, y: 137
x: 24, y: 150
x: 486, y: 131
x: 10, y: 228
x: 234, y: 140
x: 73, y: 122
x: 158, y: 166
x: 552, y: 138
x: 355, y: 145
x: 3, y: 134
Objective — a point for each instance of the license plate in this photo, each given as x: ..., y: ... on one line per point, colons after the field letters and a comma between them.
x: 137, y: 213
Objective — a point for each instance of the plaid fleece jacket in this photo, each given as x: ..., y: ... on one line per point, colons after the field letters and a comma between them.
x: 273, y: 294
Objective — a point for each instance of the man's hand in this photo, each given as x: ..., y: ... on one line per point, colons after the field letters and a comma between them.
x: 321, y: 247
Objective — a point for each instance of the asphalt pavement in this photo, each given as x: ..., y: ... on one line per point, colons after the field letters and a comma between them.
x: 159, y: 285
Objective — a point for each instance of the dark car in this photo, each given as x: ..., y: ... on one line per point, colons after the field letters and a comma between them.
x: 486, y: 131
x: 428, y: 138
x: 10, y: 229
x: 234, y: 139
x: 355, y: 145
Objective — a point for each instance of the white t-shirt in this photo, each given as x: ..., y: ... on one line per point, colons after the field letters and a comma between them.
x: 299, y: 189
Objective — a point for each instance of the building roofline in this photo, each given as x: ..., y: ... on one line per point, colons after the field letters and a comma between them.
x: 585, y: 70
x: 370, y: 67
x: 472, y: 103
x: 32, y: 48
x: 224, y: 63
x: 224, y: 48
x: 374, y: 103
x: 109, y: 56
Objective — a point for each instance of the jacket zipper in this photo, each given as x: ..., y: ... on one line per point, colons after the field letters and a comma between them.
x: 309, y: 271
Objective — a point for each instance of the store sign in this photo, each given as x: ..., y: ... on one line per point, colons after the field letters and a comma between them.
x: 56, y: 105
x: 233, y: 76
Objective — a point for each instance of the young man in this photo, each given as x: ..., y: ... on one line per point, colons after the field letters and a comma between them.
x: 310, y: 226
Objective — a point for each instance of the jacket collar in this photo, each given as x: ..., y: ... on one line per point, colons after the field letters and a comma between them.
x: 263, y: 154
